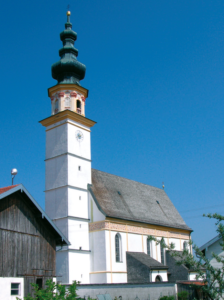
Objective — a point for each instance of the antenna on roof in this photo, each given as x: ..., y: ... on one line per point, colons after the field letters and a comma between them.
x: 13, y: 173
x: 163, y: 186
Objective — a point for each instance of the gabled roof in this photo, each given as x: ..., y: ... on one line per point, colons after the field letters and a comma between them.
x: 4, y: 192
x: 209, y: 243
x: 126, y: 199
x: 147, y: 260
x: 7, y: 188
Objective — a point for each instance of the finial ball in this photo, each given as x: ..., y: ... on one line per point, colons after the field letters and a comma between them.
x: 68, y: 13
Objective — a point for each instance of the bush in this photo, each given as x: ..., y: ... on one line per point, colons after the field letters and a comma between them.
x: 167, y: 298
x: 183, y: 295
x: 54, y: 291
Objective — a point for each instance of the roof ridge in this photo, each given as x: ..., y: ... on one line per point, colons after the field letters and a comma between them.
x: 130, y: 179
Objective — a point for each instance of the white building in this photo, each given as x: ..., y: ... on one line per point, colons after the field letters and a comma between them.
x: 103, y: 216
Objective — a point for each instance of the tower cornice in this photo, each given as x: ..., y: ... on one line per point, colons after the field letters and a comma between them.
x: 60, y: 87
x: 67, y: 114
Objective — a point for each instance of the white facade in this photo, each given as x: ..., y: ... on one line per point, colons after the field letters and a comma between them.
x: 68, y: 172
x: 10, y: 285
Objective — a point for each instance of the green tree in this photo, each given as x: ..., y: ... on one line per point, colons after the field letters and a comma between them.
x: 54, y: 291
x: 212, y: 278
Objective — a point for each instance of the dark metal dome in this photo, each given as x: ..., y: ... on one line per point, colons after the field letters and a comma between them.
x: 68, y: 69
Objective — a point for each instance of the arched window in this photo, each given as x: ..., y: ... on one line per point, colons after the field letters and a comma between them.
x: 78, y: 105
x: 56, y: 106
x: 149, y: 247
x: 185, y: 245
x: 162, y: 254
x: 118, y: 247
x: 158, y: 278
x: 67, y: 102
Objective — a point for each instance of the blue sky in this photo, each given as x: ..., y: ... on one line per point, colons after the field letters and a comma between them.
x: 155, y: 73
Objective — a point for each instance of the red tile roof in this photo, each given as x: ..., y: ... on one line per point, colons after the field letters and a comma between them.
x: 7, y: 188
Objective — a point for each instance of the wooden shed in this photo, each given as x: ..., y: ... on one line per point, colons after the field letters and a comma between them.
x: 28, y: 240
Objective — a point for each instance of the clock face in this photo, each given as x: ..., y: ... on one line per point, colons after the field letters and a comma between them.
x: 79, y: 136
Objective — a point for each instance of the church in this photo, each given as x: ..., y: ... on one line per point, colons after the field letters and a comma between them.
x: 106, y: 218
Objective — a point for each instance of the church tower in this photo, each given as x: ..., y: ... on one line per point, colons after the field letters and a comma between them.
x: 68, y: 161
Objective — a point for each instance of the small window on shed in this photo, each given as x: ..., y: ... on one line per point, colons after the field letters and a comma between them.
x: 15, y: 289
x: 39, y: 282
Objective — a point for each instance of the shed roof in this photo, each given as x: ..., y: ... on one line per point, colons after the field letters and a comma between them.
x: 147, y: 260
x: 122, y: 198
x: 7, y: 188
x: 4, y: 192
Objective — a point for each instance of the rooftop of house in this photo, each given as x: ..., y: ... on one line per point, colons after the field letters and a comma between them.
x: 147, y: 260
x: 122, y: 198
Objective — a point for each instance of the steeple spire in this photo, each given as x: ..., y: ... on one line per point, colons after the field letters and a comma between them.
x: 68, y: 70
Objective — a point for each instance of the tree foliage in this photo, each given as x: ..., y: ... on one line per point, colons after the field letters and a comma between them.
x: 211, y: 277
x: 54, y: 291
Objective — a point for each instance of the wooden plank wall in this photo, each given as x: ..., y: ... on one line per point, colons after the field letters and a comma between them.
x: 27, y: 242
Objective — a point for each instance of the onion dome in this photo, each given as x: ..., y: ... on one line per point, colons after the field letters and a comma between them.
x: 68, y: 69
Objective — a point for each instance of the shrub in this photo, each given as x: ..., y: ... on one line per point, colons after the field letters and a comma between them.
x: 54, y: 291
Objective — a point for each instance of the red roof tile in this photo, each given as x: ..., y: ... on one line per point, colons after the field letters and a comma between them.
x: 7, y: 188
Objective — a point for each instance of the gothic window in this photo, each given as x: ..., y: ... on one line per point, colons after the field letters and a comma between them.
x: 67, y: 102
x: 78, y: 105
x: 56, y: 106
x: 162, y: 254
x: 149, y: 247
x: 118, y: 247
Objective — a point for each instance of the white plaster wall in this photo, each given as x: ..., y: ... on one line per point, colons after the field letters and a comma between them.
x: 78, y: 207
x: 134, y: 242
x: 153, y: 247
x: 98, y: 278
x: 98, y: 251
x: 108, y: 250
x: 5, y: 287
x: 56, y: 140
x: 79, y: 178
x: 182, y: 244
x: 119, y: 278
x: 192, y: 276
x: 79, y: 267
x: 95, y: 214
x: 177, y: 243
x: 62, y: 224
x: 118, y: 266
x: 161, y: 273
x: 80, y: 148
x: 56, y: 204
x: 78, y: 234
x: 56, y: 172
x: 62, y: 269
